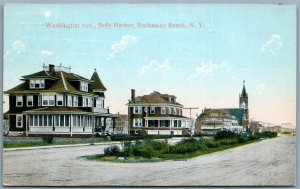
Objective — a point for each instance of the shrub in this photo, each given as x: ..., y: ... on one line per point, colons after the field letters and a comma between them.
x: 225, y: 135
x: 48, y: 139
x: 212, y: 144
x: 228, y: 141
x: 112, y: 150
x: 187, y: 147
x: 242, y: 139
x: 144, y: 151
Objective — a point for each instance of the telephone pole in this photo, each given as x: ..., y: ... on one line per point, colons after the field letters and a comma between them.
x: 191, y: 108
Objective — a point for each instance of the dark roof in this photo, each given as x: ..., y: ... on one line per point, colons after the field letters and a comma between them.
x: 96, y: 82
x: 56, y: 74
x: 61, y: 84
x: 41, y: 74
x: 155, y: 97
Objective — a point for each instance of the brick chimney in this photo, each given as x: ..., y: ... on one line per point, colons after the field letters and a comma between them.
x: 51, y: 68
x: 132, y: 94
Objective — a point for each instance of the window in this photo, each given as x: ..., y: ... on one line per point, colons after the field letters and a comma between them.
x: 19, y: 121
x: 59, y: 99
x: 90, y: 101
x: 152, y: 110
x: 99, y: 103
x: 163, y: 110
x: 138, y: 122
x: 19, y: 102
x: 61, y: 120
x: 45, y: 100
x: 75, y: 101
x: 31, y: 120
x: 29, y: 100
x: 167, y: 110
x: 70, y: 101
x: 171, y: 110
x: 48, y: 100
x: 138, y: 109
x: 84, y: 86
x: 37, y: 83
x: 50, y: 120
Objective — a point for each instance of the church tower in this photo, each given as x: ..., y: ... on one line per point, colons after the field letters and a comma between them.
x: 243, y: 102
x: 244, y: 98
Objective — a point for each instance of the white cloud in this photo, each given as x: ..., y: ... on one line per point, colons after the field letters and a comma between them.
x: 155, y: 66
x: 272, y: 45
x: 17, y: 47
x: 260, y: 88
x: 47, y: 14
x: 126, y: 41
x: 205, y: 69
x: 45, y: 56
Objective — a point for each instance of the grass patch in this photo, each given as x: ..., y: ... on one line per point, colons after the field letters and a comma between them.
x: 153, y: 151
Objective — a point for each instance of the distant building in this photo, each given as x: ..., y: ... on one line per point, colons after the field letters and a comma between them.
x: 122, y: 124
x: 57, y: 101
x: 157, y: 114
x: 256, y: 126
x: 223, y: 116
x: 214, y: 120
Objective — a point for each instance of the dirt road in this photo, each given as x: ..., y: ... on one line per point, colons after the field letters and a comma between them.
x: 264, y: 163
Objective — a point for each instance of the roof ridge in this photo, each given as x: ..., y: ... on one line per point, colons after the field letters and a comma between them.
x: 64, y: 82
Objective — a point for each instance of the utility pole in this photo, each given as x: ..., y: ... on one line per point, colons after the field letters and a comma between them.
x: 191, y: 108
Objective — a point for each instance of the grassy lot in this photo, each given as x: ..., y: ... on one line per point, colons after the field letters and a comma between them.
x: 153, y: 151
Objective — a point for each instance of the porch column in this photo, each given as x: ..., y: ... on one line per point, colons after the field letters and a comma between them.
x: 71, y: 123
x: 114, y: 124
x: 158, y: 122
x: 104, y: 124
x: 27, y: 124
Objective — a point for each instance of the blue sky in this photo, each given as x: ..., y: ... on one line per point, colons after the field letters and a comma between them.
x: 203, y: 66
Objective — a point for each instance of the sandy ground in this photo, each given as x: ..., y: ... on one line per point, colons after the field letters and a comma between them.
x: 264, y: 163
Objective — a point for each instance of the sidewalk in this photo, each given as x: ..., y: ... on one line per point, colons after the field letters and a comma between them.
x: 59, y: 146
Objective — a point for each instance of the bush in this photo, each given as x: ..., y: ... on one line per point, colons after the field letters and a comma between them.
x: 187, y: 147
x: 242, y: 139
x: 228, y: 141
x: 112, y: 151
x: 212, y: 144
x: 225, y: 135
x: 48, y: 139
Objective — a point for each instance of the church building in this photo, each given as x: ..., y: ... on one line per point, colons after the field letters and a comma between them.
x: 235, y: 119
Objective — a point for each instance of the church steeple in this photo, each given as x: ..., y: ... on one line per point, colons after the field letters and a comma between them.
x: 243, y: 101
x: 244, y: 90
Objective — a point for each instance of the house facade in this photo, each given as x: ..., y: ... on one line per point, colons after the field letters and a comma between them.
x: 156, y: 114
x: 122, y: 124
x: 213, y: 120
x: 57, y: 101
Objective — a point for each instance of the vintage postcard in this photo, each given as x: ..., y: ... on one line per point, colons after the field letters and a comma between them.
x: 149, y: 95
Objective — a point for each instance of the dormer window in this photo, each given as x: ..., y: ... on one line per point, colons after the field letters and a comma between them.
x: 84, y: 86
x: 37, y: 84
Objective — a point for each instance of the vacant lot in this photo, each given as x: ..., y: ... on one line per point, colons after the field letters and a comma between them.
x: 268, y: 162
